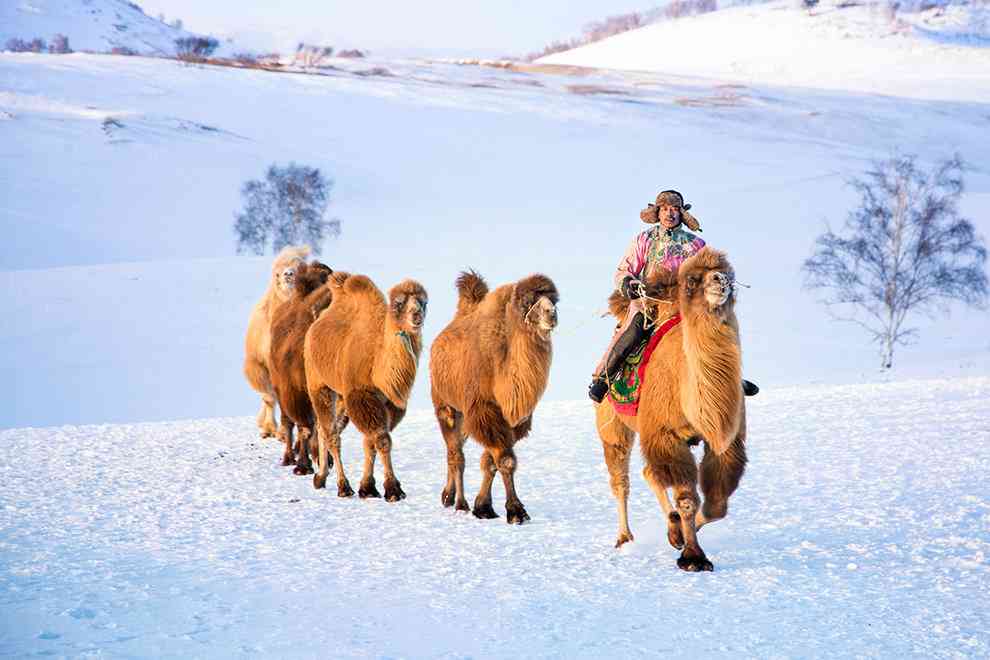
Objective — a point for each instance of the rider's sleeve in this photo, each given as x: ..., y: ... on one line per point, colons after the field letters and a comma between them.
x: 633, y: 261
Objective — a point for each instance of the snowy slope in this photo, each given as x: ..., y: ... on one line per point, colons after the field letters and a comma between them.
x: 91, y: 25
x: 859, y: 530
x: 125, y: 303
x: 941, y: 53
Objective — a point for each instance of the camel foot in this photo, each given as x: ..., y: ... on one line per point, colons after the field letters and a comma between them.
x: 624, y: 537
x: 515, y: 514
x: 267, y: 433
x: 393, y: 491
x: 367, y: 489
x: 674, y: 534
x: 344, y: 489
x: 302, y: 470
x: 462, y: 506
x: 319, y: 481
x: 288, y: 460
x: 484, y: 511
x: 447, y: 498
x: 694, y: 563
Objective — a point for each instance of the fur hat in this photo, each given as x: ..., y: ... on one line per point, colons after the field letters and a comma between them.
x: 650, y: 216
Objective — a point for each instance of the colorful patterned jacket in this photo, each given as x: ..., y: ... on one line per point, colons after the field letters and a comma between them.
x: 656, y: 248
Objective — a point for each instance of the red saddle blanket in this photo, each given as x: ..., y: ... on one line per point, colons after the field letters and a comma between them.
x: 624, y: 391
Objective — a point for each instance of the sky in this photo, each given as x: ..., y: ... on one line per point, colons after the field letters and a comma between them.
x: 483, y: 27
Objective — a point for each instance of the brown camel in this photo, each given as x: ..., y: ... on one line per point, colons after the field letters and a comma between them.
x: 257, y: 345
x: 488, y: 370
x: 691, y: 392
x: 361, y: 356
x: 288, y: 372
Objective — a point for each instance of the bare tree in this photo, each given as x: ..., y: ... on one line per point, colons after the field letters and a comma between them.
x: 905, y: 249
x: 287, y: 207
x: 195, y: 48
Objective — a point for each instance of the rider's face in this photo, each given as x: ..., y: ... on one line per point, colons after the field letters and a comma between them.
x: 670, y: 216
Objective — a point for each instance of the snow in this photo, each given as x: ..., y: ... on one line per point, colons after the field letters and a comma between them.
x: 91, y: 25
x: 861, y: 528
x: 941, y: 53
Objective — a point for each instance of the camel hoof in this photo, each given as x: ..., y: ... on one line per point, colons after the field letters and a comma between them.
x: 393, y: 491
x: 345, y: 490
x: 624, y: 537
x: 515, y: 514
x: 695, y: 564
x: 484, y: 511
x: 302, y: 470
x: 265, y: 433
x: 319, y: 481
x: 447, y: 499
x: 462, y: 506
x: 674, y: 534
x: 288, y: 460
x: 368, y: 490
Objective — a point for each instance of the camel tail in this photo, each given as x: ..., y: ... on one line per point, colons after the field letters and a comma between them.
x: 471, y: 290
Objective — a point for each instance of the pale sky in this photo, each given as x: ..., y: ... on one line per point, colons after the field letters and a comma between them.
x: 485, y: 27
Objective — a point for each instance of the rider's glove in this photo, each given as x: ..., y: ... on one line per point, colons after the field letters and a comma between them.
x: 630, y: 287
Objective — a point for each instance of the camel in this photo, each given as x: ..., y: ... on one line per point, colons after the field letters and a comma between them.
x: 257, y: 345
x: 488, y: 369
x: 361, y: 356
x: 691, y: 393
x: 288, y: 374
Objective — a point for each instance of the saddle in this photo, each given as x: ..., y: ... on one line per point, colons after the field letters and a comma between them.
x: 662, y: 315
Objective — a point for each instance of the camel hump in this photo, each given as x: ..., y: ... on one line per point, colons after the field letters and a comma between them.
x: 471, y: 290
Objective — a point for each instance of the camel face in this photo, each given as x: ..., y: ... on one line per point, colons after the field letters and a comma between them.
x: 543, y: 315
x: 286, y: 281
x: 410, y: 312
x: 718, y: 287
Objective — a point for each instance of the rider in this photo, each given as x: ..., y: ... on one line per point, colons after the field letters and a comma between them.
x: 665, y: 246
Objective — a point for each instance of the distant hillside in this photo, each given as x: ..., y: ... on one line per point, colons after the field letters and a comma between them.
x: 91, y: 25
x: 838, y: 44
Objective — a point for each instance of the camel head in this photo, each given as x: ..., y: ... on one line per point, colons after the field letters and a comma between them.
x: 309, y: 277
x: 707, y: 280
x: 407, y: 302
x: 284, y: 269
x: 534, y: 300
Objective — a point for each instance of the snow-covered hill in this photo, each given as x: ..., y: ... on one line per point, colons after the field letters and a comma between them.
x: 122, y: 175
x: 859, y: 530
x: 91, y: 25
x: 939, y: 53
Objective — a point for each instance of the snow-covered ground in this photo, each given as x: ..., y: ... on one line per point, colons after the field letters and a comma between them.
x: 940, y: 53
x: 861, y: 529
x: 121, y: 177
x: 91, y: 25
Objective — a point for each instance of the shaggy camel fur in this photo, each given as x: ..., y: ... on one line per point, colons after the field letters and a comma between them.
x: 691, y: 392
x: 257, y: 345
x: 488, y: 370
x: 361, y: 356
x: 288, y: 373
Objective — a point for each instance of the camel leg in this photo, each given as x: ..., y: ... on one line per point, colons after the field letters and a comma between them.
x: 303, y: 464
x: 322, y: 399
x: 719, y: 477
x: 485, y: 422
x: 483, y: 501
x: 393, y: 489
x: 674, y: 534
x: 367, y: 487
x: 669, y: 464
x: 285, y: 435
x: 451, y: 422
x: 617, y: 441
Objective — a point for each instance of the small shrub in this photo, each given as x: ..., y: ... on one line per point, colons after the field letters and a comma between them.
x: 59, y: 45
x: 353, y: 53
x: 122, y: 50
x: 195, y: 48
x: 308, y: 55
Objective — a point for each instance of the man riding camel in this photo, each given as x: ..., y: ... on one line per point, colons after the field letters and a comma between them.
x: 664, y: 246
